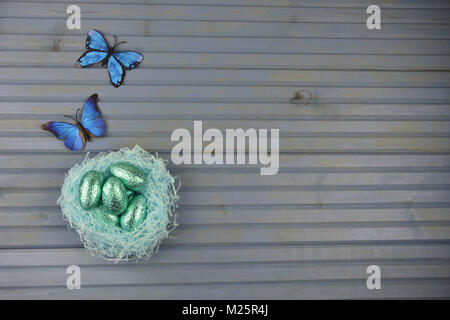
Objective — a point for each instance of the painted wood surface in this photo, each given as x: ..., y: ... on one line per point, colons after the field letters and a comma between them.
x: 364, y: 171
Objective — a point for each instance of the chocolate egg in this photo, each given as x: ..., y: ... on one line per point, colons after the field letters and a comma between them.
x: 90, y: 189
x: 130, y: 193
x: 114, y: 196
x: 131, y: 176
x: 134, y: 214
x: 103, y: 214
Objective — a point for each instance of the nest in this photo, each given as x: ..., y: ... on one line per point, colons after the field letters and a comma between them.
x: 108, y: 241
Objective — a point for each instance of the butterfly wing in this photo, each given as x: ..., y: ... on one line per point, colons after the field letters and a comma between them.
x: 72, y: 136
x: 91, y: 57
x: 98, y: 49
x: 96, y: 41
x: 91, y: 117
x: 129, y: 59
x: 116, y: 71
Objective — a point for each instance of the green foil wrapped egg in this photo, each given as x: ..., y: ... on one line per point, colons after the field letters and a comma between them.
x: 90, y: 189
x: 132, y: 177
x: 114, y: 196
x: 134, y: 214
x: 130, y: 193
x: 103, y: 214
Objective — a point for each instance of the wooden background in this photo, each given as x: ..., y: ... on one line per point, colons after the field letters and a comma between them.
x: 364, y: 175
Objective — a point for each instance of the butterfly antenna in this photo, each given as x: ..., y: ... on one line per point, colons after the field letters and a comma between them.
x: 70, y: 117
x: 117, y: 43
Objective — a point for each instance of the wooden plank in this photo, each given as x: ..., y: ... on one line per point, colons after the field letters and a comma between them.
x: 237, y: 254
x: 182, y: 12
x: 319, y: 143
x: 238, y: 179
x: 297, y: 290
x: 203, y: 110
x: 216, y: 215
x: 142, y: 93
x: 59, y: 237
x: 224, y: 29
x: 232, y: 77
x: 233, y: 45
x: 300, y: 163
x: 199, y: 274
x: 261, y: 196
x: 152, y: 126
x: 440, y: 4
x: 46, y: 58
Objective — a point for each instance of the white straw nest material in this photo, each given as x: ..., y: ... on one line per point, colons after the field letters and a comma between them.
x: 108, y: 241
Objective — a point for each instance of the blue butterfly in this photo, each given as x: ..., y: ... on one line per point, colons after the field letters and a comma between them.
x: 75, y: 135
x: 100, y: 51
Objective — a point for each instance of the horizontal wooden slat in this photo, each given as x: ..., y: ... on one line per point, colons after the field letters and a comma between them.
x: 141, y: 93
x: 281, y: 3
x: 302, y: 163
x: 237, y: 45
x: 231, y: 110
x: 305, y: 127
x: 51, y: 216
x: 241, y: 60
x: 224, y: 28
x: 210, y: 178
x: 57, y: 237
x: 259, y: 197
x: 186, y: 274
x: 235, y: 254
x: 343, y: 290
x: 232, y: 77
x: 183, y: 12
x: 287, y: 144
